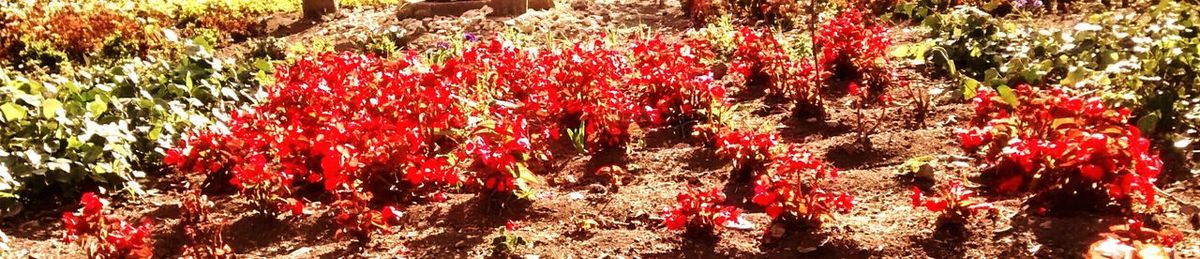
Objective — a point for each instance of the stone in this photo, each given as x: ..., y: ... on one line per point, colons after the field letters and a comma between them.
x: 541, y: 4
x: 314, y: 9
x: 422, y: 9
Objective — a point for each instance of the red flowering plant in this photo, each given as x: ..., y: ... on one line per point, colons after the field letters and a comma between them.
x: 202, y: 230
x: 761, y: 59
x: 1135, y: 240
x: 102, y: 235
x: 591, y: 81
x: 352, y: 124
x: 849, y: 46
x: 757, y: 52
x: 700, y: 212
x: 796, y: 188
x: 1048, y: 140
x: 356, y: 219
x: 955, y: 202
x: 749, y: 150
x: 867, y: 123
x: 672, y: 82
x: 501, y: 150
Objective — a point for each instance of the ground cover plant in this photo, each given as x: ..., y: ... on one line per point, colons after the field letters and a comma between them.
x: 710, y: 129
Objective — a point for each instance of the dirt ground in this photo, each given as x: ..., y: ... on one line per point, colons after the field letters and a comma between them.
x: 883, y: 224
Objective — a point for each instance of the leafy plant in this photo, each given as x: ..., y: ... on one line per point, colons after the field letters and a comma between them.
x: 102, y: 235
x: 762, y: 59
x: 108, y: 124
x: 508, y: 241
x: 955, y: 202
x: 699, y: 212
x: 203, y: 231
x: 796, y: 189
x: 1045, y: 140
x: 749, y: 150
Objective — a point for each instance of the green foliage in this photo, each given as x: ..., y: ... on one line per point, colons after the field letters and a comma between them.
x: 107, y: 125
x: 1148, y: 61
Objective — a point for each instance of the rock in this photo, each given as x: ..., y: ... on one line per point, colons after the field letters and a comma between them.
x: 540, y: 4
x: 299, y: 252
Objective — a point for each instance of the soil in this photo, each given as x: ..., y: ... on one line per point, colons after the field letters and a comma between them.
x: 883, y: 224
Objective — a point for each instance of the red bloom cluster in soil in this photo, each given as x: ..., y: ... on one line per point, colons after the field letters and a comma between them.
x: 672, y: 82
x: 795, y: 188
x: 849, y: 45
x: 750, y: 150
x: 106, y: 236
x: 955, y: 202
x: 1048, y: 140
x: 699, y: 211
x: 371, y: 131
x: 761, y: 59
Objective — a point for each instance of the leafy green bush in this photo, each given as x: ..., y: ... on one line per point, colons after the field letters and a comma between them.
x: 107, y: 125
x: 1147, y: 61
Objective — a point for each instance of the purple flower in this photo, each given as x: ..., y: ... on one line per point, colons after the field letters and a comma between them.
x: 470, y: 37
x: 444, y: 45
x: 1027, y: 4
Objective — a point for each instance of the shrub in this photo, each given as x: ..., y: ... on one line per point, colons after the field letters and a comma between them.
x: 853, y: 49
x: 672, y: 82
x: 749, y: 150
x: 1045, y: 140
x: 105, y: 236
x: 795, y: 188
x: 352, y: 125
x: 761, y: 59
x: 699, y: 212
x: 108, y: 125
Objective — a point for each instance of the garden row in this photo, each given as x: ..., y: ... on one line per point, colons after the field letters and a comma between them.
x: 363, y: 135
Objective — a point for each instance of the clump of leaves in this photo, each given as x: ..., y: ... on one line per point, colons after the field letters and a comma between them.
x: 955, y: 202
x: 700, y: 212
x: 102, y: 235
x: 508, y: 240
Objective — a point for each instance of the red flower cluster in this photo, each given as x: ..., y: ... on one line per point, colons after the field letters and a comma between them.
x: 700, y: 211
x: 1049, y: 140
x: 360, y: 126
x: 760, y: 58
x: 356, y: 219
x: 795, y: 188
x: 848, y: 44
x: 750, y: 150
x: 955, y: 202
x: 671, y: 81
x: 103, y: 235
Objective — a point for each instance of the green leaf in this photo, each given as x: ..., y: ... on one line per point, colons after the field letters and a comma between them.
x: 13, y: 112
x: 970, y: 86
x: 97, y: 107
x: 1149, y: 123
x: 50, y: 108
x: 1008, y: 95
